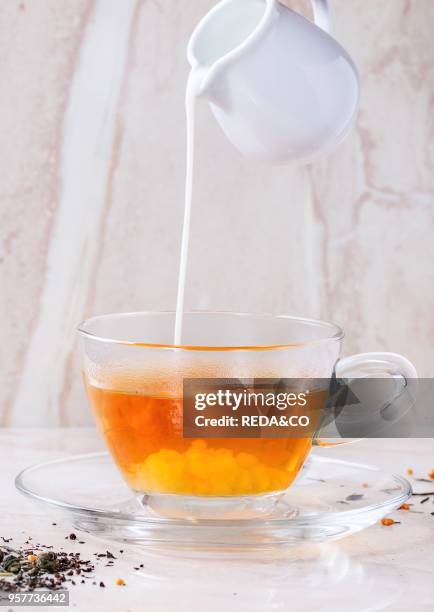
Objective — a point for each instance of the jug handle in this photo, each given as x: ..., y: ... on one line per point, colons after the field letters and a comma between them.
x: 321, y: 14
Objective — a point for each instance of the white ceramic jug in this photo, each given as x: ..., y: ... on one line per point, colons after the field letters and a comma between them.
x: 281, y: 87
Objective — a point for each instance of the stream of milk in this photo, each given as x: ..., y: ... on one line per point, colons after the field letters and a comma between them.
x: 192, y: 88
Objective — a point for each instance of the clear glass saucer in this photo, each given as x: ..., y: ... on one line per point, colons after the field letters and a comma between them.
x: 330, y: 499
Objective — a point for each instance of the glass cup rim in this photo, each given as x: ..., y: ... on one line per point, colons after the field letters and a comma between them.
x: 336, y: 334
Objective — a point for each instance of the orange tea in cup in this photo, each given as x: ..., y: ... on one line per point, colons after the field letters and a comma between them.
x: 138, y: 380
x: 144, y: 434
x: 135, y: 379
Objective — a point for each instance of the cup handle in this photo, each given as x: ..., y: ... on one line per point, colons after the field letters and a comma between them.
x: 371, y: 365
x: 321, y: 14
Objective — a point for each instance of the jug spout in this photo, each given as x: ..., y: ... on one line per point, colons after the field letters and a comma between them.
x: 220, y: 38
x: 202, y: 83
x: 209, y: 86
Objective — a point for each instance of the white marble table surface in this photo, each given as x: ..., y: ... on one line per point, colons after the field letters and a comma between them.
x: 382, y: 568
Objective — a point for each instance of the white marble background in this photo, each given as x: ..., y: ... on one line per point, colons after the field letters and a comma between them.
x: 91, y: 191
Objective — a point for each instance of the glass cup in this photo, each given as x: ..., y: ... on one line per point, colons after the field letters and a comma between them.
x: 134, y: 379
